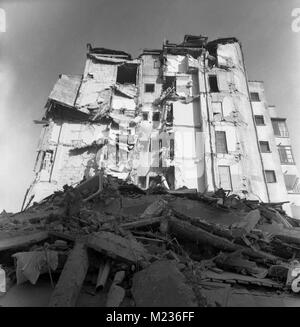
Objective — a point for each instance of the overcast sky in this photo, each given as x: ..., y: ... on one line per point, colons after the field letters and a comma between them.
x: 46, y: 38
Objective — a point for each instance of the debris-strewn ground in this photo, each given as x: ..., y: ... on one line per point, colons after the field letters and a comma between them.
x: 109, y: 243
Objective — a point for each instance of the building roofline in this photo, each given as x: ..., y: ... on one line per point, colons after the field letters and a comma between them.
x: 106, y: 51
x: 255, y: 81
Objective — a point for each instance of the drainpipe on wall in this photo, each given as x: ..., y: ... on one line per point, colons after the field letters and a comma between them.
x: 252, y: 112
x: 25, y: 197
x: 209, y: 127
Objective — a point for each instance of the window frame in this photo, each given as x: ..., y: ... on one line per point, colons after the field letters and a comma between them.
x: 255, y: 100
x: 282, y: 132
x: 147, y: 85
x: 221, y: 106
x: 265, y: 143
x: 295, y: 189
x: 259, y: 117
x: 156, y: 64
x: 172, y: 149
x: 217, y: 83
x: 225, y: 142
x: 169, y: 81
x: 274, y: 175
x: 145, y: 113
x: 158, y: 114
x: 229, y: 175
x: 288, y: 154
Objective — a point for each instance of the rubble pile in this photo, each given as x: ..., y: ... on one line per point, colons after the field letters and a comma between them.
x: 151, y: 248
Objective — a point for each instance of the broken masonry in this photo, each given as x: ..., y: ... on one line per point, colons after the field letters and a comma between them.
x: 138, y: 198
x: 126, y: 247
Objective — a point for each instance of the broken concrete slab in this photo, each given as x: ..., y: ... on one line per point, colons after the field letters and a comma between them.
x: 289, y: 235
x: 115, y: 296
x: 71, y: 279
x: 237, y: 263
x: 36, y: 215
x: 185, y: 230
x: 118, y: 247
x: 232, y: 278
x: 202, y: 210
x: 162, y: 285
x: 23, y: 240
x: 136, y: 206
x: 141, y: 223
x: 155, y: 209
x: 246, y: 224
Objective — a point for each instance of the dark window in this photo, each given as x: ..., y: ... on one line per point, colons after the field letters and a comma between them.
x: 259, y: 120
x: 172, y: 149
x: 117, y: 149
x: 160, y: 153
x: 154, y: 180
x: 254, y: 96
x: 213, y: 83
x: 114, y: 125
x: 170, y: 81
x: 149, y: 88
x: 169, y: 118
x: 221, y: 144
x: 279, y: 127
x: 225, y: 178
x: 264, y: 146
x: 156, y: 64
x: 270, y: 176
x: 156, y: 116
x: 127, y: 74
x: 285, y: 154
x: 142, y: 181
x: 145, y: 115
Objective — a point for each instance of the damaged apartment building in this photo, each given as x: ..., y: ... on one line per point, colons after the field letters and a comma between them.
x: 183, y: 116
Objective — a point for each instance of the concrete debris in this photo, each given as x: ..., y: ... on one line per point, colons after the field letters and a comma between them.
x: 155, y: 209
x: 162, y: 285
x: 8, y: 243
x: 115, y: 296
x: 156, y: 249
x: 71, y: 279
x: 247, y: 224
x: 116, y: 293
x: 118, y: 247
x: 66, y: 89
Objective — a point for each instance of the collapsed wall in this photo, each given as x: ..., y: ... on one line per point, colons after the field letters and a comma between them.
x: 180, y: 116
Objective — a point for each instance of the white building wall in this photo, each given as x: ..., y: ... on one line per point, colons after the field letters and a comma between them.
x: 243, y: 156
x: 271, y: 161
x: 293, y: 208
x: 278, y: 191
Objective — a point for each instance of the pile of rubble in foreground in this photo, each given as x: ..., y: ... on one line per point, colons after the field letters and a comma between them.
x: 128, y: 247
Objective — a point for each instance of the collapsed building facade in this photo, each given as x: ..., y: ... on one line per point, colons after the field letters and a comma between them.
x: 183, y: 116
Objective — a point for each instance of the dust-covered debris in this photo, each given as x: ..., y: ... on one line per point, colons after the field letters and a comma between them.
x: 86, y: 246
